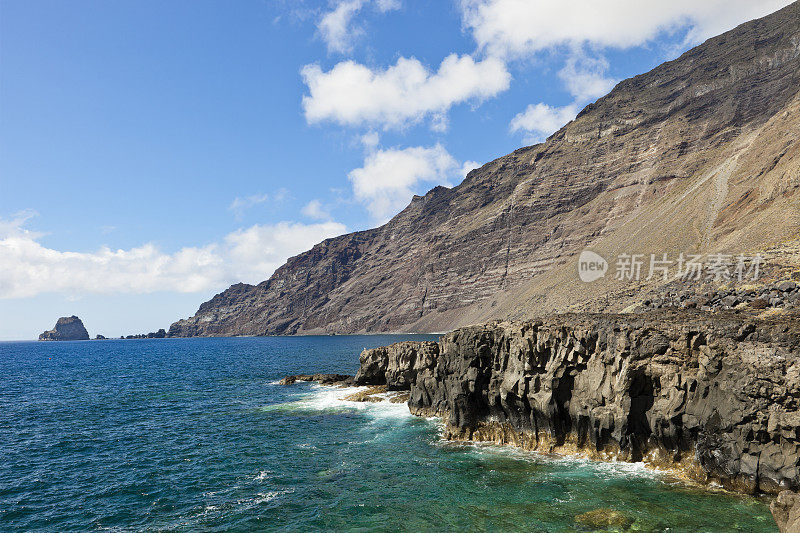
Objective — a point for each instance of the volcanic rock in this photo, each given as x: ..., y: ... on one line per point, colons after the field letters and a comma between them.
x: 712, y: 396
x: 67, y: 328
x: 322, y: 379
x: 396, y: 366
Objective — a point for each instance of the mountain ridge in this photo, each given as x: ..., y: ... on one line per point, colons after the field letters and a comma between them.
x: 699, y: 154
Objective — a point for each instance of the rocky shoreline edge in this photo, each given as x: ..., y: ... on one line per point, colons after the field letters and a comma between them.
x: 712, y: 397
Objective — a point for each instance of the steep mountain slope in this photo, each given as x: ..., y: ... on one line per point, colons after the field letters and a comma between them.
x: 700, y: 154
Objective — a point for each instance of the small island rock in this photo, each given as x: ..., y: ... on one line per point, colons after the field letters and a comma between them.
x: 68, y: 328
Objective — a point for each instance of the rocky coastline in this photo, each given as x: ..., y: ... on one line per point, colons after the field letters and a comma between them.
x: 713, y: 398
x: 160, y: 334
x: 71, y: 328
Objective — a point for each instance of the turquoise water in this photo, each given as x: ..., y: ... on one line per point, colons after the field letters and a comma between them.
x: 194, y: 434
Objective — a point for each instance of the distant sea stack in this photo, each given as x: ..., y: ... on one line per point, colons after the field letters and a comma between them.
x: 68, y: 328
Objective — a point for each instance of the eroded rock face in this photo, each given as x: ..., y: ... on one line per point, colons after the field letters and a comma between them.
x: 67, y: 328
x: 715, y: 396
x: 396, y: 366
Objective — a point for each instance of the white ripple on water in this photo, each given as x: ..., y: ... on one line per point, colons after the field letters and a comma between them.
x: 262, y: 497
x: 219, y: 509
x: 262, y: 475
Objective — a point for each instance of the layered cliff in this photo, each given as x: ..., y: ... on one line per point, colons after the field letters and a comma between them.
x: 716, y: 397
x: 699, y: 155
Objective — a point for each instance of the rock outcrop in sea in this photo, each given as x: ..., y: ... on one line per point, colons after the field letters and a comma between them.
x: 67, y: 328
x: 160, y: 334
x: 712, y: 397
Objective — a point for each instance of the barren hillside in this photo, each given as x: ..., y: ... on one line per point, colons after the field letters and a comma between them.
x: 699, y: 155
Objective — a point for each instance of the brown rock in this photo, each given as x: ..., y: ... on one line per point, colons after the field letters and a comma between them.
x: 367, y: 395
x: 786, y: 512
x: 397, y: 365
x: 604, y: 519
x: 400, y: 397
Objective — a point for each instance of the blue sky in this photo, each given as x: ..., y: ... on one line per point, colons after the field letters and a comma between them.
x: 152, y: 153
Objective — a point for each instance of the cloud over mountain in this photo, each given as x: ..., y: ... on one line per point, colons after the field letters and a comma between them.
x: 389, y: 177
x: 507, y: 28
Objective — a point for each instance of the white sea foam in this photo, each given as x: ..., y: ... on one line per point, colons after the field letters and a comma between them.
x: 261, y: 498
x: 264, y: 497
x: 332, y: 399
x: 603, y: 468
x: 264, y: 474
x: 328, y: 398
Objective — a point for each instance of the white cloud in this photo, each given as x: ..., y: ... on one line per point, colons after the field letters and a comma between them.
x: 388, y: 5
x: 370, y: 140
x: 240, y: 204
x: 352, y: 94
x: 315, y: 210
x: 280, y: 195
x: 469, y: 166
x: 254, y: 253
x: 336, y: 26
x: 508, y: 28
x: 389, y: 178
x: 585, y: 77
x: 28, y: 268
x: 539, y: 121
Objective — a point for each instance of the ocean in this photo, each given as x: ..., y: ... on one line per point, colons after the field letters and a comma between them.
x: 197, y: 435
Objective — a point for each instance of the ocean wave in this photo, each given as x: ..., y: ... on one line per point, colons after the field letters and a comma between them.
x: 325, y: 398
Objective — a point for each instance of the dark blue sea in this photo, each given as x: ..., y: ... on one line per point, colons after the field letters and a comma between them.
x: 196, y: 435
